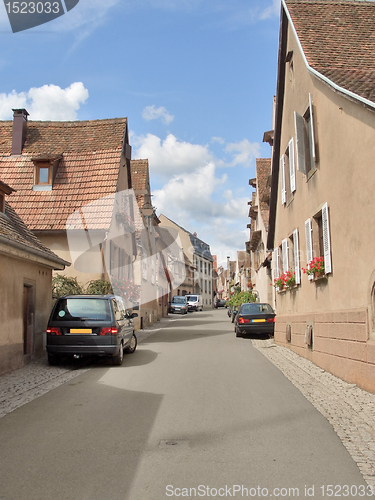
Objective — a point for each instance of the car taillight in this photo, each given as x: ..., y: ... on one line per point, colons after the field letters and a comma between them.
x: 243, y: 320
x: 54, y: 331
x: 109, y: 331
x: 271, y: 320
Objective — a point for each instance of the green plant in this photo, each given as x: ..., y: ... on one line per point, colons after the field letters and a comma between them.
x: 240, y: 298
x: 285, y: 280
x: 98, y: 287
x: 65, y: 285
x: 315, y: 267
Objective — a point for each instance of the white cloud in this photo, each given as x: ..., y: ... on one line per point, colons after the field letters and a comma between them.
x: 244, y: 152
x: 271, y: 11
x: 170, y: 156
x: 153, y: 113
x: 49, y: 102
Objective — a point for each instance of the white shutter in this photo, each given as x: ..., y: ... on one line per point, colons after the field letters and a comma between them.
x: 326, y: 240
x: 275, y: 263
x: 283, y: 190
x: 292, y: 168
x: 296, y: 257
x: 285, y: 256
x: 309, y: 249
x: 300, y: 142
x: 312, y: 145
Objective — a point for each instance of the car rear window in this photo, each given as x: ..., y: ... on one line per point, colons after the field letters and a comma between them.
x: 256, y: 309
x: 74, y: 309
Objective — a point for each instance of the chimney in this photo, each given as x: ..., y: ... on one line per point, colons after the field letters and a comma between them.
x: 19, y: 130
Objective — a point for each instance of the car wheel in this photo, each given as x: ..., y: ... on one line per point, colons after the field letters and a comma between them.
x: 119, y: 358
x: 53, y: 359
x: 132, y: 345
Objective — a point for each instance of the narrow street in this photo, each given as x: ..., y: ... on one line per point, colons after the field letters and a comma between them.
x: 194, y: 412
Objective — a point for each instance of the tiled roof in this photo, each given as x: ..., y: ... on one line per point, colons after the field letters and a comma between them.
x: 13, y: 229
x: 263, y: 170
x: 338, y: 40
x: 88, y: 169
x: 58, y: 137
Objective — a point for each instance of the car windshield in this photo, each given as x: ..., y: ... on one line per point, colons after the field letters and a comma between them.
x: 74, y: 309
x: 179, y: 300
x: 193, y: 298
x: 256, y: 309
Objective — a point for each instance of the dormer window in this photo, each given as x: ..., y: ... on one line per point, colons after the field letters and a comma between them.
x: 4, y: 190
x: 44, y: 173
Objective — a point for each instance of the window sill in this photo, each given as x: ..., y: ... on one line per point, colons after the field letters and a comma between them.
x: 41, y: 187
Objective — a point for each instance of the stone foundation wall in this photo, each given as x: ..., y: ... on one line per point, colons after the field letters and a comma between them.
x: 340, y: 343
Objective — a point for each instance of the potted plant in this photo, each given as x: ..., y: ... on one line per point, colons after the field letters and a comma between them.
x: 315, y: 267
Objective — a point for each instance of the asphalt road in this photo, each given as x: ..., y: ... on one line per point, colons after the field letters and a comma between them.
x: 193, y: 413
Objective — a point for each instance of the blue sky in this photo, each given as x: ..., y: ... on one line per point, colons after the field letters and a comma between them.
x: 195, y: 78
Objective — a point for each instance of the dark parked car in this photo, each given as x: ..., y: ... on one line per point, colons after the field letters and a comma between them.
x: 87, y: 325
x: 221, y: 303
x: 179, y: 304
x: 255, y: 318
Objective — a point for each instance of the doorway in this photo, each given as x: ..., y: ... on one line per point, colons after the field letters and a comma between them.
x: 28, y: 319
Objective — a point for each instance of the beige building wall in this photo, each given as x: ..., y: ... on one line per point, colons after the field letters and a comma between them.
x: 15, y: 274
x: 341, y: 307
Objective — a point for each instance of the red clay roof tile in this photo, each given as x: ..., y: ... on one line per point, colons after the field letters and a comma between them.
x: 88, y: 169
x: 338, y: 40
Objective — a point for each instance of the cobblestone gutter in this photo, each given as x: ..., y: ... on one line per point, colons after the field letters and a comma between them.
x: 349, y: 409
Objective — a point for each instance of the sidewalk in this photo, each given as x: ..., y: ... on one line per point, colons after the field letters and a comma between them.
x: 349, y: 409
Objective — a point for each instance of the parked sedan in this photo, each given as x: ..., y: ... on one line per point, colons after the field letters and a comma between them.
x: 82, y: 325
x: 255, y: 318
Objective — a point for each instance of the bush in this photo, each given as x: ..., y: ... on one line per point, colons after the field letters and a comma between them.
x: 98, y: 287
x: 65, y: 285
x: 240, y: 298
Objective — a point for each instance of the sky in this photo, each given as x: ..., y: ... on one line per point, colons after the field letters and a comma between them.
x: 195, y: 78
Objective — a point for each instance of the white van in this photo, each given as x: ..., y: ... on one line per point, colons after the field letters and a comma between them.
x: 195, y: 302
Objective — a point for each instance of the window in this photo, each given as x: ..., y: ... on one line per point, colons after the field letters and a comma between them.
x: 43, y: 173
x: 318, y: 239
x: 305, y: 140
x: 288, y: 173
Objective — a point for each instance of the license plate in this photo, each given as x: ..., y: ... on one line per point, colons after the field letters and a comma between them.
x: 80, y: 330
x: 258, y: 320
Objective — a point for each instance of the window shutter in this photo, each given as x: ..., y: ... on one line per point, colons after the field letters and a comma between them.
x: 275, y: 264
x: 309, y: 249
x: 312, y: 145
x: 300, y: 142
x: 285, y: 257
x: 326, y: 240
x: 296, y: 257
x: 283, y: 190
x: 292, y: 169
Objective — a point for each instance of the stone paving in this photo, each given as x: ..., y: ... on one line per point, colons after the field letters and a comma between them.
x: 349, y: 409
